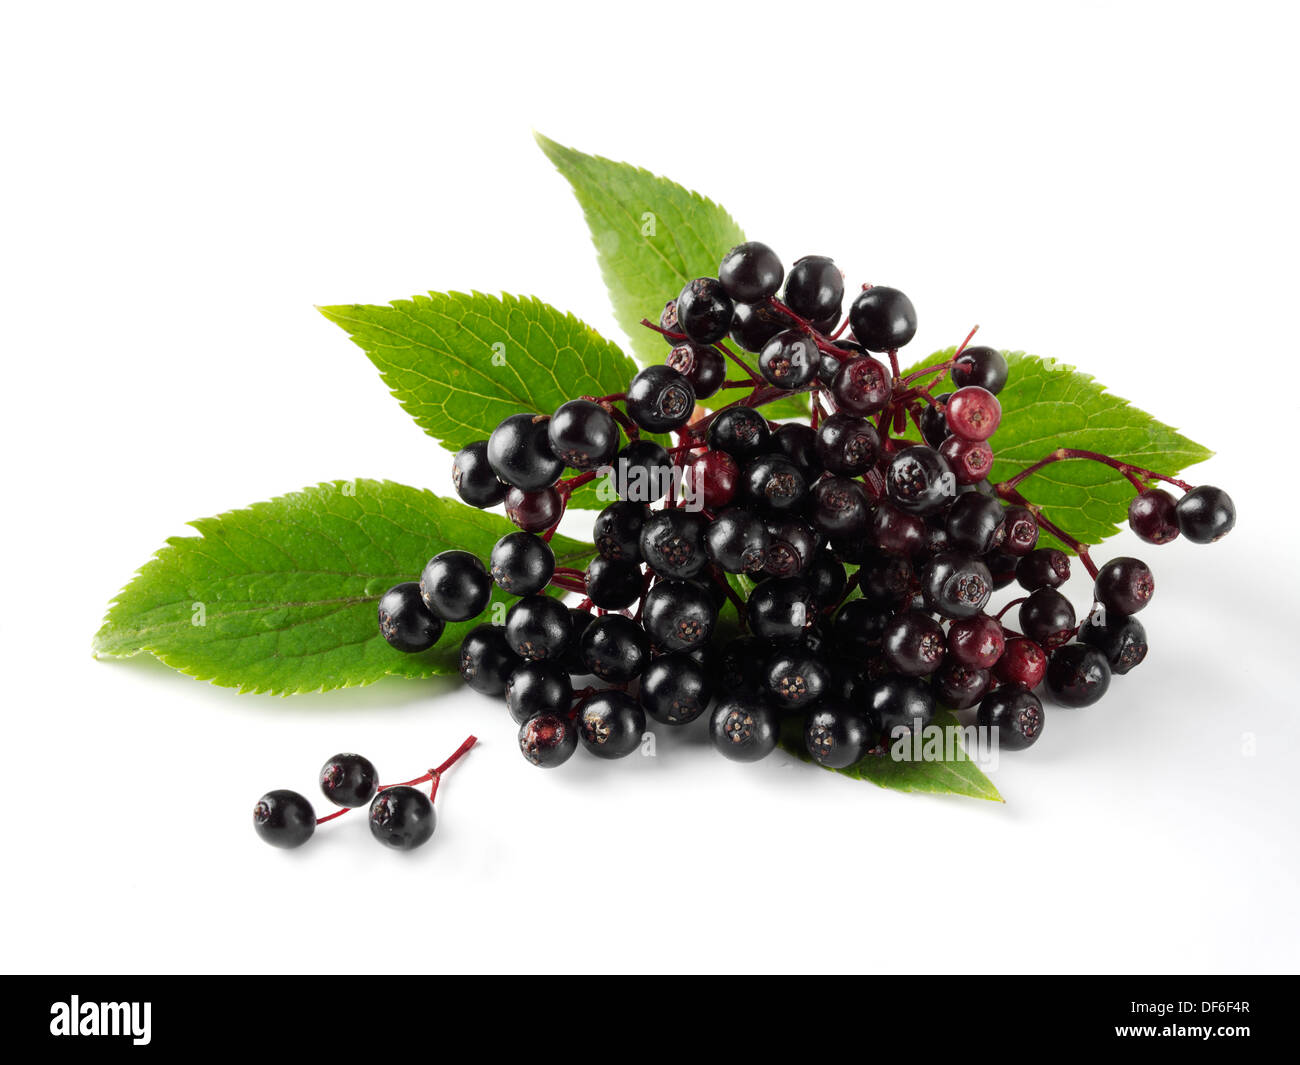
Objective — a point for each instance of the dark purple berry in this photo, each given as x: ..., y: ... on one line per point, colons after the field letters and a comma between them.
x: 473, y: 478
x: 538, y: 626
x: 548, y: 740
x: 847, y: 444
x: 981, y: 366
x: 675, y: 689
x: 406, y: 623
x: 1044, y: 567
x: 862, y: 386
x: 613, y: 583
x: 284, y: 819
x: 814, y: 289
x: 1153, y: 516
x: 837, y: 736
x: 919, y: 481
x: 789, y: 360
x: 1205, y: 514
x: 1077, y: 675
x: 882, y: 318
x: 349, y: 780
x: 521, y: 563
x: 704, y: 368
x: 742, y: 432
x: 956, y: 585
x: 751, y: 272
x: 486, y: 660
x: 611, y: 724
x: 538, y: 687
x: 615, y: 648
x: 704, y: 310
x: 679, y: 615
x: 455, y: 585
x: 913, y: 643
x: 660, y: 399
x: 519, y: 452
x: 1016, y: 713
x: 1047, y: 618
x: 1124, y: 585
x: 1123, y: 640
x: 402, y: 817
x: 744, y: 728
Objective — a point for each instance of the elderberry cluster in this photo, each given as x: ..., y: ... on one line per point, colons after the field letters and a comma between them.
x: 401, y: 816
x: 869, y: 555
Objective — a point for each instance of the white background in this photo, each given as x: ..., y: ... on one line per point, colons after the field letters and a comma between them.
x: 1110, y: 184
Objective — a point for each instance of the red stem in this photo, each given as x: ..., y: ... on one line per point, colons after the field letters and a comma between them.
x: 433, y: 774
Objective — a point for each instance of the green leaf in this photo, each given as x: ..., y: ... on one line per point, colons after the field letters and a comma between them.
x: 461, y: 362
x: 651, y: 236
x: 956, y: 776
x: 281, y: 597
x: 1047, y: 404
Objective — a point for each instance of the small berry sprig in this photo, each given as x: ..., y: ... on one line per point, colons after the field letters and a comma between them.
x: 793, y: 506
x: 401, y: 816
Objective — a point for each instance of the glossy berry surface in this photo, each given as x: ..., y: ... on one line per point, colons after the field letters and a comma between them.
x: 1022, y: 531
x: 847, y: 444
x: 1153, y: 516
x: 402, y: 818
x: 704, y: 368
x: 782, y: 608
x: 1077, y: 675
x: 774, y: 484
x: 1022, y: 662
x: 643, y: 472
x: 672, y: 543
x: 798, y: 443
x: 660, y: 399
x: 486, y: 660
x: 793, y: 543
x: 837, y: 736
x: 1206, y: 514
x: 754, y: 324
x: 933, y: 423
x: 789, y: 359
x: 895, y: 702
x: 740, y: 431
x: 615, y: 649
x: 472, y: 476
x: 519, y: 452
x: 982, y: 367
x: 613, y: 584
x: 455, y: 585
x: 1016, y: 713
x: 534, y: 511
x: 538, y: 688
x: 973, y: 413
x: 969, y: 460
x: 896, y: 532
x: 956, y: 585
x: 913, y: 643
x: 582, y: 434
x: 977, y: 642
x: 548, y: 740
x: 814, y: 289
x: 521, y: 563
x: 862, y: 386
x: 795, y: 678
x: 1047, y: 618
x: 611, y: 724
x: 704, y: 310
x: 284, y: 819
x: 675, y: 689
x: 537, y: 627
x: 711, y: 480
x: 1123, y: 640
x: 750, y: 272
x: 919, y: 481
x: 737, y: 540
x: 1044, y: 567
x: 744, y: 728
x: 406, y: 623
x: 840, y: 507
x: 975, y: 523
x: 349, y: 780
x: 679, y: 615
x: 1124, y: 585
x: 959, y: 687
x: 882, y: 318
x: 617, y: 530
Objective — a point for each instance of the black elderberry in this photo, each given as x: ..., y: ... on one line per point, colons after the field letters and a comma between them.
x: 402, y: 818
x: 959, y: 687
x: 521, y: 563
x: 913, y: 643
x: 826, y: 577
x: 754, y: 324
x: 675, y: 689
x: 1022, y: 531
x: 611, y: 724
x: 660, y: 399
x: 741, y: 432
x: 405, y: 622
x: 643, y: 472
x: 882, y: 318
x: 798, y: 442
x: 1123, y: 640
x: 858, y: 628
x: 737, y: 540
x: 455, y: 585
x: 791, y: 546
x: 814, y: 289
x: 548, y: 740
x: 975, y: 523
x: 617, y: 530
x: 583, y: 435
x: 782, y: 608
x: 740, y: 666
x: 862, y: 386
x: 672, y: 543
x: 744, y: 728
x: 1044, y: 567
x: 571, y: 660
x: 613, y: 584
x: 1015, y: 712
x: 934, y: 425
x: 534, y: 511
x: 837, y: 736
x: 981, y: 366
x: 1077, y: 675
x: 1124, y: 585
x: 349, y: 780
x: 472, y: 476
x: 840, y: 507
x: 1047, y: 618
x: 956, y: 585
x: 885, y: 579
x: 919, y: 481
x: 795, y: 678
x: 615, y: 649
x: 847, y: 444
x: 751, y: 272
x: 519, y: 452
x: 895, y: 702
x: 704, y: 310
x: 284, y: 819
x: 1153, y: 515
x: 538, y: 626
x: 538, y: 687
x: 486, y: 659
x: 704, y: 368
x: 789, y: 360
x: 774, y: 483
x: 679, y: 615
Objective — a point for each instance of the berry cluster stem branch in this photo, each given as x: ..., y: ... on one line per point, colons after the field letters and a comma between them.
x: 1078, y: 547
x: 1136, y: 475
x: 433, y: 774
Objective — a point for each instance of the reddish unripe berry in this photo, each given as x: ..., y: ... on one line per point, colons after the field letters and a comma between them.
x: 973, y: 412
x: 712, y: 478
x: 970, y: 460
x: 1152, y: 515
x: 1023, y: 662
x: 977, y: 642
x: 896, y: 532
x: 534, y: 511
x: 862, y: 386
